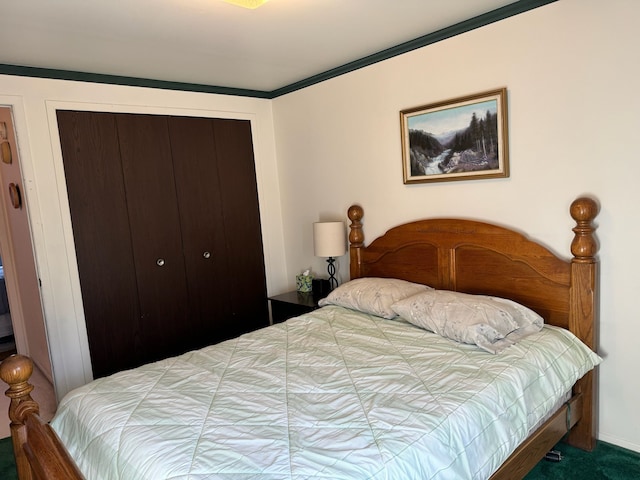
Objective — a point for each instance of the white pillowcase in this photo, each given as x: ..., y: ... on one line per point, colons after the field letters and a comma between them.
x: 373, y: 295
x: 491, y: 323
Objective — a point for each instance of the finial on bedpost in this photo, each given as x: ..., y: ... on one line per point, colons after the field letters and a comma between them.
x: 584, y: 246
x: 356, y: 239
x: 16, y: 371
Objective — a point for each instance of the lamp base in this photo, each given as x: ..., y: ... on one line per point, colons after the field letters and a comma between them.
x: 331, y: 268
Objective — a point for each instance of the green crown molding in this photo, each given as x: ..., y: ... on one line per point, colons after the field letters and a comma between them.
x: 496, y: 15
x: 507, y: 11
x: 128, y: 81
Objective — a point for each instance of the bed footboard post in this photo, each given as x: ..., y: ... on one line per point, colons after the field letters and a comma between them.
x: 356, y: 240
x: 584, y: 313
x: 16, y: 371
x: 39, y: 452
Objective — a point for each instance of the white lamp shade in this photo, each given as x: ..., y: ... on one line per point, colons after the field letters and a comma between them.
x: 329, y: 239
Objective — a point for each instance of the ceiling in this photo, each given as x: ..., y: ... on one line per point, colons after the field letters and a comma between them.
x: 214, y: 43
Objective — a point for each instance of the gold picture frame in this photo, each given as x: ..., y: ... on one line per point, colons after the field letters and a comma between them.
x: 459, y: 139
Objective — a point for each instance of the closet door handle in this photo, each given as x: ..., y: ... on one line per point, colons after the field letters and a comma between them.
x: 160, y: 262
x: 206, y: 255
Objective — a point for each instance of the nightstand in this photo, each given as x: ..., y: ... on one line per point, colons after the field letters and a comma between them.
x: 292, y: 304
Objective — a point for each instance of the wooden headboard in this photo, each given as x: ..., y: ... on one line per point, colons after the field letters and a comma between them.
x: 481, y: 258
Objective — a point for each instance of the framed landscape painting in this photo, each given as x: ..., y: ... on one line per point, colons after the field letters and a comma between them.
x: 460, y: 139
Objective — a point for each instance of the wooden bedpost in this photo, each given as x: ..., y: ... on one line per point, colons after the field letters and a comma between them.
x: 38, y: 451
x: 16, y: 371
x: 583, y: 316
x: 356, y: 240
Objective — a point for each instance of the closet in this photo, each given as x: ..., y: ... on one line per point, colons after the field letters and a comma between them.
x: 167, y: 233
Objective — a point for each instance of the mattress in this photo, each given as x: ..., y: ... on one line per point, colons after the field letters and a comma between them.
x: 333, y: 394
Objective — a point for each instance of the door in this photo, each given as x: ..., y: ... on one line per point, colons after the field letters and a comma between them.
x: 156, y: 238
x: 159, y: 206
x: 241, y: 225
x: 19, y: 265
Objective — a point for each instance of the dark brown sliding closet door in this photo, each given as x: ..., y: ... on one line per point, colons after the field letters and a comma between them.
x: 202, y: 223
x: 152, y: 204
x: 98, y: 203
x: 167, y: 232
x: 239, y: 195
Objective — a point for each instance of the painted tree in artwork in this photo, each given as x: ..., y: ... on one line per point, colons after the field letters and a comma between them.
x: 481, y: 135
x: 475, y: 130
x: 491, y: 124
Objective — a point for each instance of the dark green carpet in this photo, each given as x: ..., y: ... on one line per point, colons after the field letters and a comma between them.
x: 606, y: 462
x: 7, y: 464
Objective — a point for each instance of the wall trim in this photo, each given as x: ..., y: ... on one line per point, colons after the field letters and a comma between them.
x: 493, y: 16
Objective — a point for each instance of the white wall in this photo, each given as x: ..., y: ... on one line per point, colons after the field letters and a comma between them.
x: 34, y: 102
x: 571, y: 69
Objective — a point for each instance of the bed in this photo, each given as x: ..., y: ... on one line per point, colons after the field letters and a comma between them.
x: 280, y: 392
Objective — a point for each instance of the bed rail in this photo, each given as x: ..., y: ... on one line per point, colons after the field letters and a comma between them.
x: 529, y: 453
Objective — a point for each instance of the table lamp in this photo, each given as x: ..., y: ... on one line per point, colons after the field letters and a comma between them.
x: 330, y: 240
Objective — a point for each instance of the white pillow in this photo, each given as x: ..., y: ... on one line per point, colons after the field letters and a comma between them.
x: 373, y: 295
x: 491, y: 323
